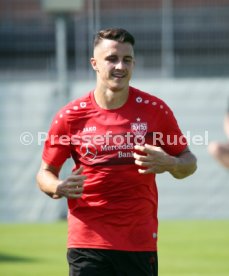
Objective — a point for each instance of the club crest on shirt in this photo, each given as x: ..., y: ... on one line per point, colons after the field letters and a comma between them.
x: 139, y: 128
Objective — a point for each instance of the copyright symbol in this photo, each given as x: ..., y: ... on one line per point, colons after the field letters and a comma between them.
x: 26, y: 138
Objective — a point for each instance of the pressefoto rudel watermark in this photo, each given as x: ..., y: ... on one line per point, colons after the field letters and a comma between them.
x: 115, y: 140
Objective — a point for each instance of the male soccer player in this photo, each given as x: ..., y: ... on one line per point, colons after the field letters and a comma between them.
x: 219, y: 150
x: 119, y: 138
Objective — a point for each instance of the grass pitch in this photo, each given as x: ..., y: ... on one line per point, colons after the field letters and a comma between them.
x: 194, y: 248
x: 187, y: 248
x: 33, y: 249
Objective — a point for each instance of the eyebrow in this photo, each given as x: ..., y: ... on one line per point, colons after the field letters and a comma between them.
x: 129, y: 57
x: 114, y: 55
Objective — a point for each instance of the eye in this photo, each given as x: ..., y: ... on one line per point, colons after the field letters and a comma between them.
x: 112, y: 58
x: 128, y: 60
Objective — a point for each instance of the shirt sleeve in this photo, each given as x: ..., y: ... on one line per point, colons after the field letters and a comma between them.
x: 172, y: 139
x: 57, y: 147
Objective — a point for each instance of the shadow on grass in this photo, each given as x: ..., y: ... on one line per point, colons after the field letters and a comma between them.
x: 6, y: 258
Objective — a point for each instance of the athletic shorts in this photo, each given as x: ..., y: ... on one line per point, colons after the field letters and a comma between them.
x: 102, y: 262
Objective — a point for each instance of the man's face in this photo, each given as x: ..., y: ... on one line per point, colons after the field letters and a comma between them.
x: 113, y: 61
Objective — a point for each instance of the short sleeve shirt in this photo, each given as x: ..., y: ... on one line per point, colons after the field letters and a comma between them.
x: 118, y: 209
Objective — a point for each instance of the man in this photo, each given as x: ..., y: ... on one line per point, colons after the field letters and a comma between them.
x: 119, y: 138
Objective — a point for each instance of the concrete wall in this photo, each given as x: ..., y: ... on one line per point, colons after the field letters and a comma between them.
x: 199, y: 105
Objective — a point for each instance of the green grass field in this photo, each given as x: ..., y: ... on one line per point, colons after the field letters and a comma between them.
x: 192, y: 248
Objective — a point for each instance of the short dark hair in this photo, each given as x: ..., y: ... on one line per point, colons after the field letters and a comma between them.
x: 117, y: 34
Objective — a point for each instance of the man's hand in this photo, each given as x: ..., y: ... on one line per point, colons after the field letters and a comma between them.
x: 72, y: 186
x: 49, y: 182
x: 155, y: 160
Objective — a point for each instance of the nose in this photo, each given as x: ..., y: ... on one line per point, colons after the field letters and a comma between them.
x: 120, y: 65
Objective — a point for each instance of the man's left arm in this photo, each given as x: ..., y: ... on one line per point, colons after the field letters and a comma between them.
x: 154, y: 159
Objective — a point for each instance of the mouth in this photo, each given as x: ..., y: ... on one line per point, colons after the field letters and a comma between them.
x: 118, y: 75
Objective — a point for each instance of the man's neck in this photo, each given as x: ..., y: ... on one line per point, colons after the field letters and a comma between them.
x: 109, y: 99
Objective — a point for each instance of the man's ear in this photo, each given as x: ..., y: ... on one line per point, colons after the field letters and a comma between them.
x: 93, y: 63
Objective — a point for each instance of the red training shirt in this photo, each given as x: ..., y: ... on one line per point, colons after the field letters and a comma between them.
x: 118, y: 209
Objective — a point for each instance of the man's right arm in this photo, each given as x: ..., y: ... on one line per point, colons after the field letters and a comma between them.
x: 49, y: 182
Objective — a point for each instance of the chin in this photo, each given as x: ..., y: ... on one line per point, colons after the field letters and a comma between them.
x: 119, y: 87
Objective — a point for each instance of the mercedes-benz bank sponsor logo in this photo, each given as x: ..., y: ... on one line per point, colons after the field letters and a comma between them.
x: 88, y: 151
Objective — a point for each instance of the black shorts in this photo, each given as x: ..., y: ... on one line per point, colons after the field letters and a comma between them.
x: 102, y: 262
